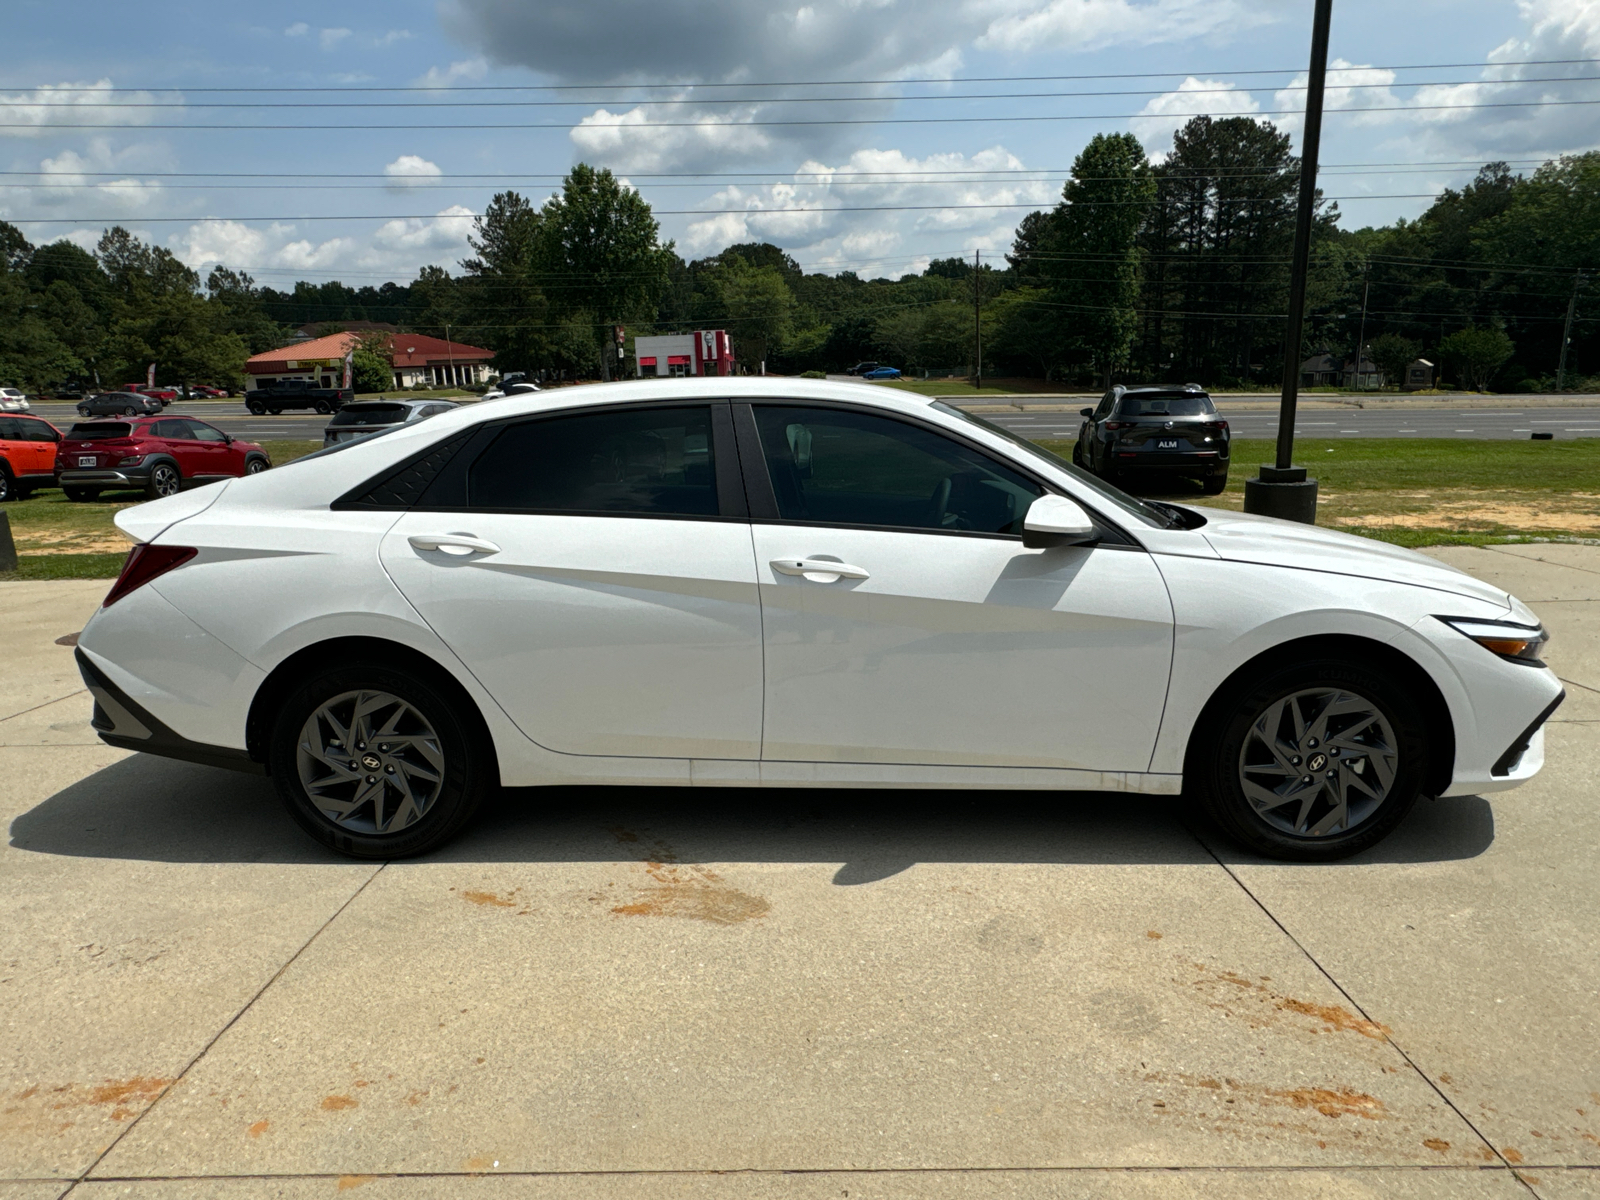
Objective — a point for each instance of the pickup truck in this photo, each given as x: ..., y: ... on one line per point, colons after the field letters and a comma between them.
x: 297, y: 393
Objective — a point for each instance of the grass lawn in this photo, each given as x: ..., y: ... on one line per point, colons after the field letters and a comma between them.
x: 59, y: 539
x: 1430, y: 491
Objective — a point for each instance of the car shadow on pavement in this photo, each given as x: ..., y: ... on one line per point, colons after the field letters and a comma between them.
x: 163, y: 811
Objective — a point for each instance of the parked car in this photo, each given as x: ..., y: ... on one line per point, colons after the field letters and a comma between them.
x: 156, y: 392
x: 12, y: 400
x: 364, y: 418
x: 881, y: 373
x: 205, y: 391
x: 1175, y: 431
x: 518, y: 388
x: 159, y: 455
x: 297, y: 393
x: 861, y: 368
x: 127, y: 404
x: 27, y: 455
x: 778, y: 582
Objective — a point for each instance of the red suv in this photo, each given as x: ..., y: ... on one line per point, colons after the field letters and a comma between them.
x: 27, y: 455
x: 156, y: 454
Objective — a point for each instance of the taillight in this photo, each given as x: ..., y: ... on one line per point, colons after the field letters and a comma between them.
x: 146, y: 562
x: 1119, y: 424
x: 1216, y: 428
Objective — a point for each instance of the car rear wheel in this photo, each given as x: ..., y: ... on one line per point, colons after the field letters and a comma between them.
x: 129, y: 411
x: 8, y: 486
x: 1214, y: 485
x: 375, y: 763
x: 322, y: 407
x: 1312, y: 762
x: 259, y: 410
x: 164, y: 481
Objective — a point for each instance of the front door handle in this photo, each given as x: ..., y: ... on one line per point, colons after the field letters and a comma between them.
x: 458, y: 544
x: 818, y: 570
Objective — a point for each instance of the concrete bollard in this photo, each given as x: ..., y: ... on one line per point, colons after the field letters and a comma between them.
x: 8, y: 548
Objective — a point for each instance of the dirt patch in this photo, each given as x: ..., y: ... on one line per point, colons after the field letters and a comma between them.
x: 686, y: 891
x: 259, y: 1128
x: 58, y: 1108
x: 483, y: 899
x: 1568, y: 514
x: 1330, y: 1102
x: 1252, y: 999
x: 346, y: 1182
x: 78, y: 543
x: 1436, y: 1144
x: 339, y: 1103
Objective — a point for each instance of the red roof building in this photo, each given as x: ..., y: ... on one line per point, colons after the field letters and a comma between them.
x: 416, y: 359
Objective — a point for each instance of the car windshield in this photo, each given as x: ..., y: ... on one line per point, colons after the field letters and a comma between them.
x: 1177, y: 405
x: 369, y: 414
x: 100, y: 429
x: 1146, y: 513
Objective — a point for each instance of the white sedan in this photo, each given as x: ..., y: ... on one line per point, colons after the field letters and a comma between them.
x: 764, y: 582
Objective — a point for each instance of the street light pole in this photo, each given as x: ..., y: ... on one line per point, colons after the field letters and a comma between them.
x: 1282, y: 490
x: 977, y: 315
x: 1361, y: 338
x: 1566, y: 334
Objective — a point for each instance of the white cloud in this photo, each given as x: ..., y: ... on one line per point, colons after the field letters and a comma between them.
x: 329, y: 39
x: 1351, y: 88
x: 409, y: 170
x: 298, y: 29
x: 78, y: 181
x: 65, y: 105
x: 470, y: 69
x: 624, y: 141
x: 1085, y: 25
x: 395, y: 35
x: 1164, y: 115
x: 396, y: 248
x: 807, y: 214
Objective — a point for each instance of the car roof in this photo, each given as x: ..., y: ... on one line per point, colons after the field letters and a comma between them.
x: 409, y: 403
x: 708, y: 387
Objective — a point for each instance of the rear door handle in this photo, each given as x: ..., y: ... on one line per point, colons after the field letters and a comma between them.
x: 458, y: 544
x: 818, y: 570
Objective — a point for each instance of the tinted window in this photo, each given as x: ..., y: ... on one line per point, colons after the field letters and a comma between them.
x: 100, y: 430
x: 655, y: 461
x: 831, y: 466
x: 38, y: 431
x: 369, y: 414
x: 204, y: 433
x: 1165, y: 406
x: 9, y: 431
x: 172, y: 429
x: 1104, y: 410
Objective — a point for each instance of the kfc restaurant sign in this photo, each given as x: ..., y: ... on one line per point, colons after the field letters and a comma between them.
x: 703, y: 352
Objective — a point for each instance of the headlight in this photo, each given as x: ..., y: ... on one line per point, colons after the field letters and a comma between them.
x: 1518, y: 643
x: 133, y: 460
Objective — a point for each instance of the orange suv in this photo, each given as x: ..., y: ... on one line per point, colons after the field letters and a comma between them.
x: 27, y: 455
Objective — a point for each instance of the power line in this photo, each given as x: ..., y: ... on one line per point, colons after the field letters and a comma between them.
x: 945, y: 81
x: 632, y: 125
x: 680, y: 100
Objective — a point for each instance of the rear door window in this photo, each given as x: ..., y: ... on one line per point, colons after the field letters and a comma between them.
x: 644, y: 462
x: 846, y: 467
x: 37, y: 431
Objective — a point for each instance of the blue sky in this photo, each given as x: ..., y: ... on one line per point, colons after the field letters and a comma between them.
x: 367, y: 205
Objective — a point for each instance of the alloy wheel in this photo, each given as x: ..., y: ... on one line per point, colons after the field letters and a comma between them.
x: 370, y: 762
x: 164, y: 481
x: 254, y: 467
x: 1318, y: 762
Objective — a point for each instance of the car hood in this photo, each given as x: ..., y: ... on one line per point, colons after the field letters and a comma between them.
x: 1245, y: 537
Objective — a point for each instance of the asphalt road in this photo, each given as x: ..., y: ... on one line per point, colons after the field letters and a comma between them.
x: 1508, y: 422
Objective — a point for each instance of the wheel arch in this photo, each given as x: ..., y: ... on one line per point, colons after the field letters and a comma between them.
x: 281, y: 680
x: 1435, y: 710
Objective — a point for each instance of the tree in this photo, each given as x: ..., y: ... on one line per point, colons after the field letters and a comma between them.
x: 1477, y: 354
x: 370, y: 368
x: 503, y: 279
x: 759, y: 307
x: 15, y: 250
x: 601, y: 255
x: 31, y: 355
x: 1097, y: 280
x: 1393, y: 354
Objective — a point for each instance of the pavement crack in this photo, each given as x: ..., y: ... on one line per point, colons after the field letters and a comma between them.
x: 46, y: 704
x: 1356, y: 1004
x: 216, y: 1037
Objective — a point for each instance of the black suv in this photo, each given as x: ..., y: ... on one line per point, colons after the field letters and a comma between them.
x: 1175, y: 430
x: 297, y: 393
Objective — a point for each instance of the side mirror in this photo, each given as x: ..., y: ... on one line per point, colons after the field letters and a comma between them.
x: 228, y: 437
x: 1086, y: 412
x: 1057, y: 521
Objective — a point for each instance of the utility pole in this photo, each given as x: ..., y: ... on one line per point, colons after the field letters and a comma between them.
x: 977, y: 315
x: 1361, y: 338
x: 1283, y: 490
x: 450, y: 352
x: 1566, y: 333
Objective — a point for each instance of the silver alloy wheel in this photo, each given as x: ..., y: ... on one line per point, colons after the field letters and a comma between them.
x: 165, y: 481
x: 370, y: 762
x: 254, y: 467
x: 1318, y: 762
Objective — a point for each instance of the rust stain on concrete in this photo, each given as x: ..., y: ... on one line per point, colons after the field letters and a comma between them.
x: 686, y: 891
x: 346, y: 1182
x: 1334, y: 1017
x: 338, y: 1103
x: 259, y: 1128
x: 1438, y: 1144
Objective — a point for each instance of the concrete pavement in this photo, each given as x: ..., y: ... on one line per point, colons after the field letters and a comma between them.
x: 643, y: 992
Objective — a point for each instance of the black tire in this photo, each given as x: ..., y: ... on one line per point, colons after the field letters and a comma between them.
x: 1077, y: 453
x: 165, y: 480
x: 467, y: 773
x: 8, y: 486
x: 275, y: 411
x: 83, y: 412
x: 80, y: 494
x: 129, y: 411
x: 1214, y: 485
x: 255, y: 465
x: 322, y: 407
x: 259, y: 410
x: 1216, y: 769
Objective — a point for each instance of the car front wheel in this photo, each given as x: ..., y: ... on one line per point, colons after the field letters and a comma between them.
x: 255, y: 466
x: 164, y: 481
x: 1313, y: 762
x: 375, y: 763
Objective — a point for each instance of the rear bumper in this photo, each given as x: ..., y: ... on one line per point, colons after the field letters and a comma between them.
x: 105, y: 476
x: 1204, y: 462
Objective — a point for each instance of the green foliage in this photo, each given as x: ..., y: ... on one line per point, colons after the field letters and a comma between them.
x: 369, y: 365
x: 1476, y: 354
x: 758, y: 306
x: 1392, y: 354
